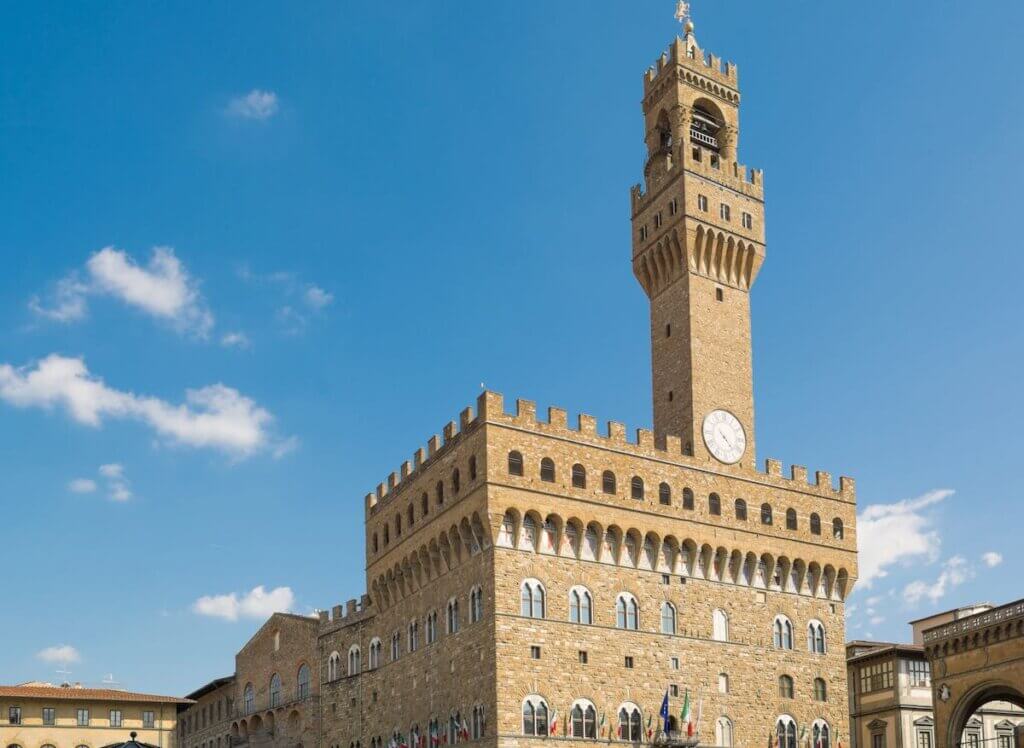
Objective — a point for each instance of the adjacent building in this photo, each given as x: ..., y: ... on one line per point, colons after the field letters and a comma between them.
x: 891, y: 694
x: 44, y: 715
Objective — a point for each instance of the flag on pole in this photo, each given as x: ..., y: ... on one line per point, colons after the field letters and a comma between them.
x: 700, y: 713
x: 553, y: 725
x: 650, y: 730
x: 664, y: 713
x: 465, y: 729
x: 600, y: 727
x: 685, y: 717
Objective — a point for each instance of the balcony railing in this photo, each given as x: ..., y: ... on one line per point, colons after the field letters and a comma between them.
x: 699, y: 136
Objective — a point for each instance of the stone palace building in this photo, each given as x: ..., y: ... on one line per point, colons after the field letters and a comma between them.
x: 531, y: 579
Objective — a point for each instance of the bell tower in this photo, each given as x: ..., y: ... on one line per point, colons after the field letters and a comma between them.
x: 698, y: 243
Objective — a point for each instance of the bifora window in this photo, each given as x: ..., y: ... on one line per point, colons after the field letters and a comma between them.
x: 535, y: 716
x: 876, y: 677
x: 630, y: 726
x: 583, y: 720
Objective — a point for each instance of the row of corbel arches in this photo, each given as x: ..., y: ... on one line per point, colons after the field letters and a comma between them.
x: 648, y: 550
x: 463, y: 539
x: 718, y: 255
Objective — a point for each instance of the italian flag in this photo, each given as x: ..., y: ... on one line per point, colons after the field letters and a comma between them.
x: 600, y: 728
x: 686, y: 716
x: 553, y: 725
x: 650, y: 731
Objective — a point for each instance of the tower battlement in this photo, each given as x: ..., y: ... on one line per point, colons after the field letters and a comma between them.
x: 491, y: 409
x: 722, y: 78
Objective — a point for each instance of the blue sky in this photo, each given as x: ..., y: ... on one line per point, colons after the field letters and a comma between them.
x: 254, y: 261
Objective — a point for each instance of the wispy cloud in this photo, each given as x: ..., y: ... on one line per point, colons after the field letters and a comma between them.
x: 162, y: 289
x: 258, y: 603
x: 317, y: 298
x: 896, y: 533
x: 235, y: 340
x: 992, y: 559
x: 82, y: 485
x: 955, y: 571
x: 63, y: 654
x: 117, y: 484
x: 257, y: 104
x: 215, y: 416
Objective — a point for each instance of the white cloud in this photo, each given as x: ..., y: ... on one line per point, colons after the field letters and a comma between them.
x: 162, y: 289
x: 285, y: 447
x: 61, y: 653
x: 257, y: 603
x: 82, y: 485
x: 954, y: 572
x: 118, y: 487
x: 893, y: 533
x: 256, y: 104
x: 235, y: 340
x: 214, y: 416
x: 876, y: 620
x: 317, y: 298
x: 992, y: 559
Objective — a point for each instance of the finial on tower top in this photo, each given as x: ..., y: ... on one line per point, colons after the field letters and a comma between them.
x: 683, y: 16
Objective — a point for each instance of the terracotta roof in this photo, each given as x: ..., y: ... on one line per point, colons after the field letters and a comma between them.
x: 72, y: 693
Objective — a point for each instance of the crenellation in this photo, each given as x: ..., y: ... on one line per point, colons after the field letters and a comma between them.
x: 586, y: 425
x: 557, y: 418
x: 392, y: 481
x: 616, y: 432
x: 798, y: 473
x: 823, y: 479
x: 449, y: 432
x: 406, y: 469
x: 645, y: 438
x: 773, y: 467
x: 433, y: 445
x: 418, y: 458
x: 465, y: 418
x: 526, y: 412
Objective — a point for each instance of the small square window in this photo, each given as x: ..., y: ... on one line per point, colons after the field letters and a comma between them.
x: 534, y: 653
x: 629, y: 662
x: 668, y: 330
x: 665, y: 579
x: 696, y: 153
x: 719, y: 294
x: 671, y: 395
x: 674, y: 662
x: 715, y: 160
x: 702, y: 203
x: 374, y: 697
x: 748, y: 221
x: 725, y: 212
x: 583, y: 656
x: 673, y: 690
x: 657, y: 221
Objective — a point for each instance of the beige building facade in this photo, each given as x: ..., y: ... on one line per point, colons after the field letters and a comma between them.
x: 43, y: 715
x: 893, y: 693
x: 531, y: 578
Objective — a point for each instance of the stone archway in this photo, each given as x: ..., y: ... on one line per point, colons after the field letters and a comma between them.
x: 975, y: 660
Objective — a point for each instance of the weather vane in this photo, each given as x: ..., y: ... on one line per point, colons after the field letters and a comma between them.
x: 683, y: 12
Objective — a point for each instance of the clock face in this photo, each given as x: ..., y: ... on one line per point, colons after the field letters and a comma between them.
x: 723, y: 433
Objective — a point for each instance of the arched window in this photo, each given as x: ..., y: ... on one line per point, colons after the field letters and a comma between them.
x: 375, y: 647
x: 275, y: 690
x: 579, y: 476
x: 837, y: 533
x: 249, y: 699
x: 723, y: 732
x: 668, y: 618
x: 665, y: 494
x: 766, y: 514
x: 547, y: 470
x: 581, y: 605
x: 785, y: 687
x: 387, y: 534
x: 627, y: 612
x: 529, y: 539
x: 583, y: 720
x: 515, y: 463
x: 395, y: 646
x: 687, y: 498
x: 637, y: 488
x: 630, y: 723
x: 424, y: 505
x: 354, y: 660
x: 453, y: 616
x: 815, y: 522
x: 535, y: 716
x: 506, y: 536
x: 608, y: 481
x: 375, y: 545
x: 791, y: 519
x: 720, y: 626
x: 741, y: 510
x: 334, y: 666
x: 477, y: 727
x: 456, y: 481
x: 714, y: 505
x: 431, y: 627
x: 414, y: 635
x: 439, y: 493
x: 816, y: 637
x: 785, y: 731
x: 782, y: 632
x: 398, y: 525
x: 410, y: 514
x: 472, y: 467
x: 820, y: 734
x: 723, y: 683
x: 476, y: 605
x: 302, y: 682
x: 820, y: 690
x: 531, y: 598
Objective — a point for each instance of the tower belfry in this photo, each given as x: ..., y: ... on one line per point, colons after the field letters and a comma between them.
x: 698, y: 243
